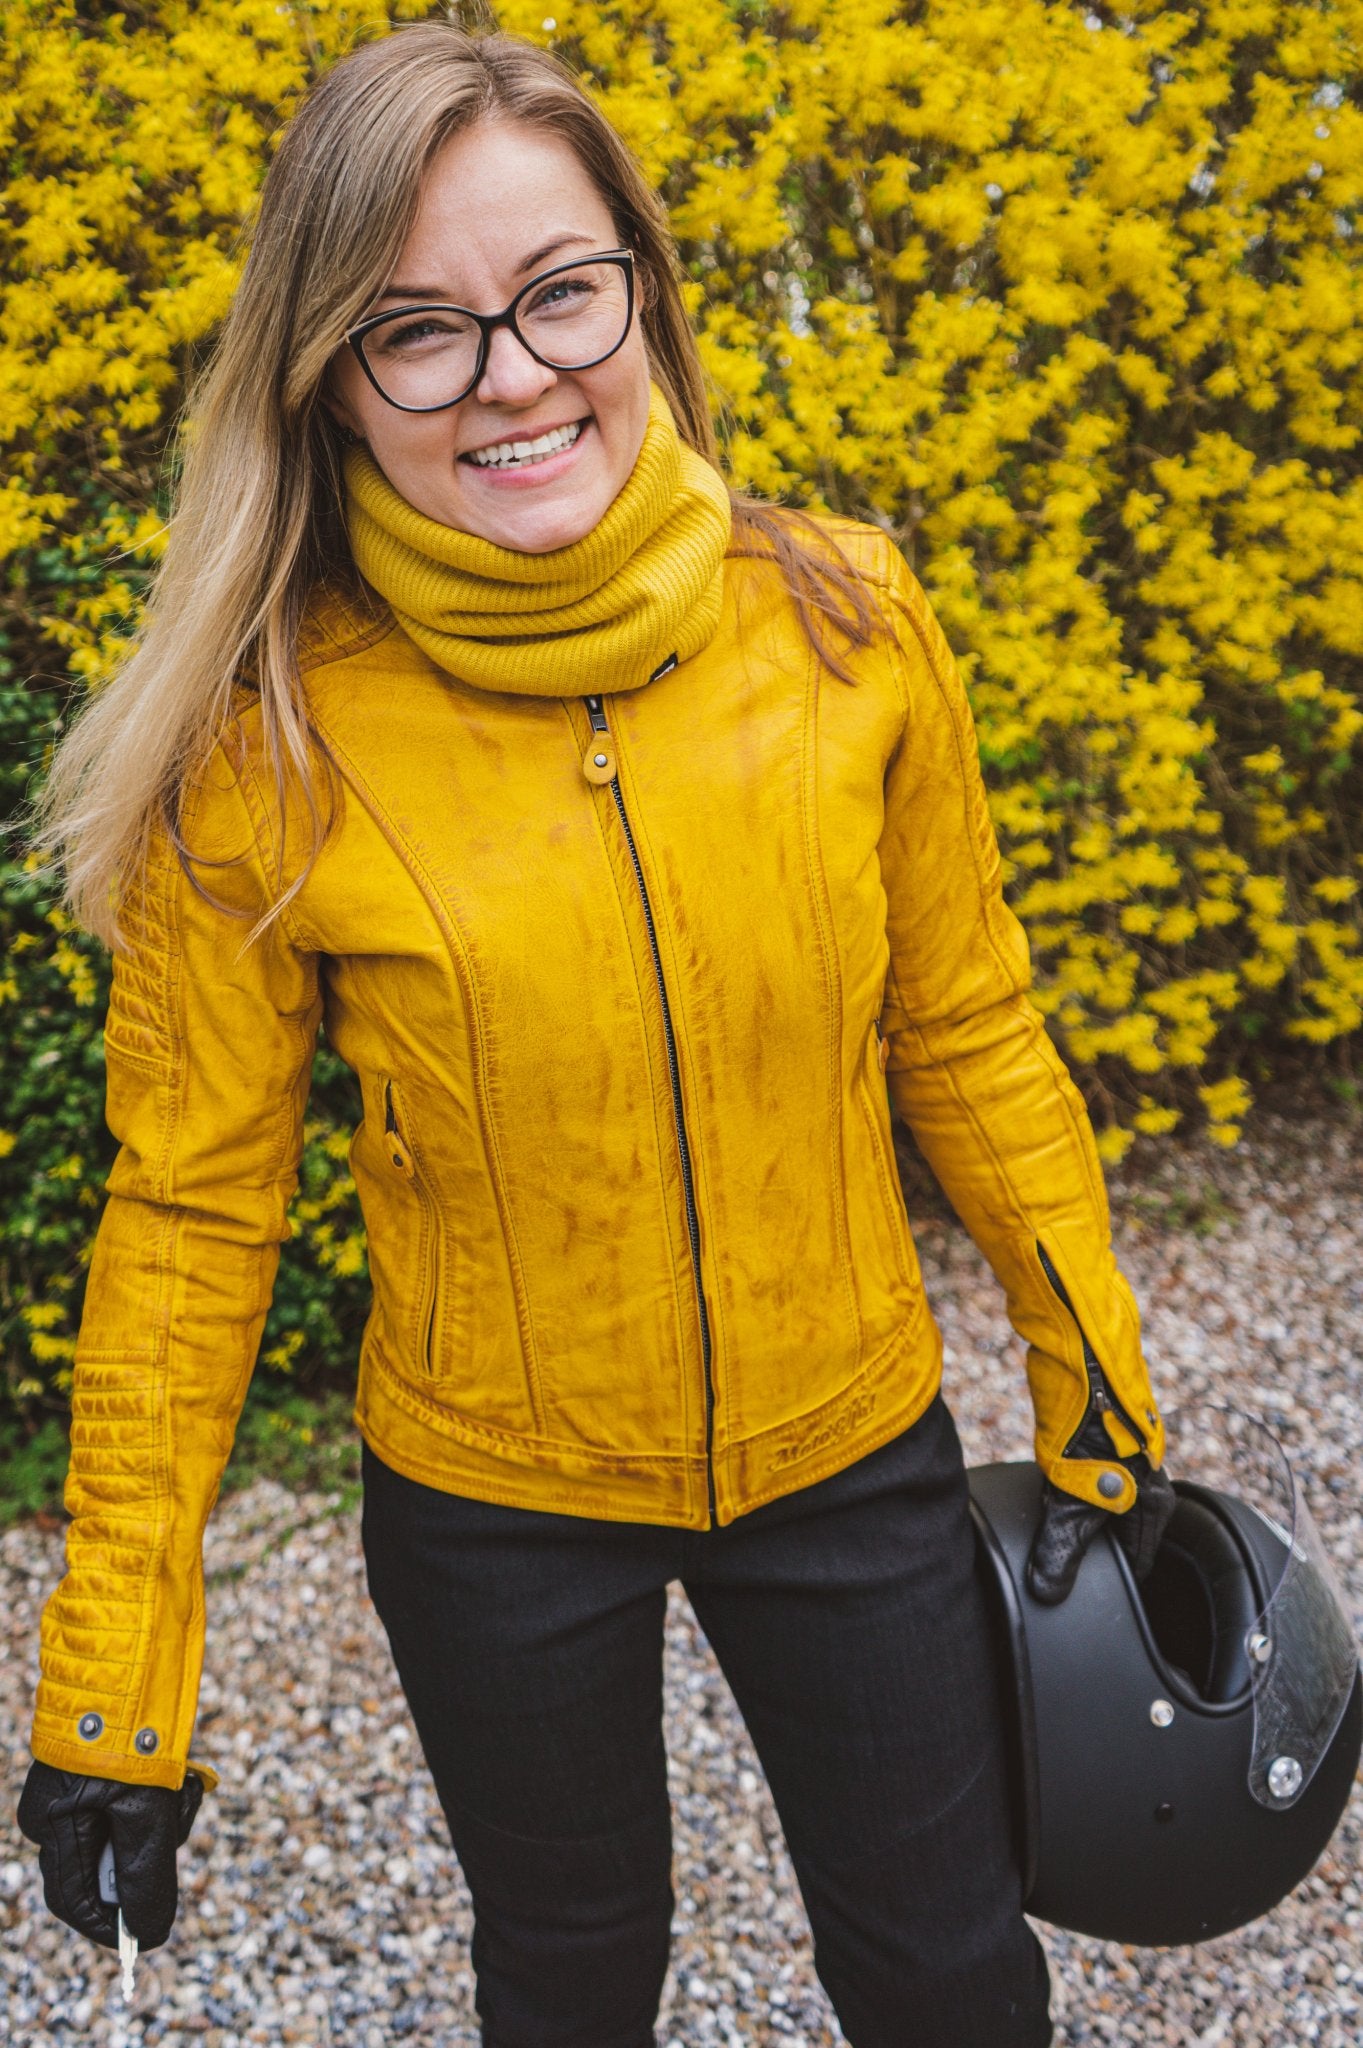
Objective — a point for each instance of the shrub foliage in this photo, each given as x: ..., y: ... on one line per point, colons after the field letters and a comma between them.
x: 1068, y: 297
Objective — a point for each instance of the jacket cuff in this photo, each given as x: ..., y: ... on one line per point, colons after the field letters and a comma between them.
x: 100, y: 1760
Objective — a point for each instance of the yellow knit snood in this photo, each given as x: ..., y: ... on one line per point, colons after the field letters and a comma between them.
x: 600, y: 615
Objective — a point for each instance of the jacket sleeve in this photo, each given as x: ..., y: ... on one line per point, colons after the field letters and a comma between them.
x: 975, y: 1077
x: 209, y: 1045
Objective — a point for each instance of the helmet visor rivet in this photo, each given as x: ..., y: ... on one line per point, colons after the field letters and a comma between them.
x: 1161, y: 1713
x: 1284, y: 1777
x: 1260, y: 1647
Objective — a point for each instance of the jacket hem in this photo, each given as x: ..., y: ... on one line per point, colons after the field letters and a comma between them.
x: 665, y: 1489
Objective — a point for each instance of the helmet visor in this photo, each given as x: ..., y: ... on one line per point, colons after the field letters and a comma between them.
x: 1301, y: 1651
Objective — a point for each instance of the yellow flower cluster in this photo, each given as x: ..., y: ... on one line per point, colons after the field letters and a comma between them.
x: 1069, y: 298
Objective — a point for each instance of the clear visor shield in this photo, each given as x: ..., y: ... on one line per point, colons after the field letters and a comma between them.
x: 1302, y: 1654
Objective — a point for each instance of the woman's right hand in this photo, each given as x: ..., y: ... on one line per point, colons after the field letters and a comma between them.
x: 71, y: 1817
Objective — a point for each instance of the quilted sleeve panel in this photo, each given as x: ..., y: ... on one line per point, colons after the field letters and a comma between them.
x: 976, y: 1078
x: 209, y: 1045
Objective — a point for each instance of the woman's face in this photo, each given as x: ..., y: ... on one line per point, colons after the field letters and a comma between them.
x: 500, y: 203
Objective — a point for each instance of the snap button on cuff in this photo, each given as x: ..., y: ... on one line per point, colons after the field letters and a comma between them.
x: 90, y: 1726
x: 1109, y: 1485
x: 146, y: 1740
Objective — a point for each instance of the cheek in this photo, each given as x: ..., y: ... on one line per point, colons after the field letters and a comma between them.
x: 630, y: 396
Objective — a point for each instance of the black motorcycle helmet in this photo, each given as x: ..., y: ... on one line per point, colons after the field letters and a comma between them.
x: 1181, y: 1750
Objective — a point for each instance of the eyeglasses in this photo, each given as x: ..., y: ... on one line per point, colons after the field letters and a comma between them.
x: 424, y: 358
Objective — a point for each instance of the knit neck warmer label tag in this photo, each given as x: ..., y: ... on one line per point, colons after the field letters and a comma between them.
x: 600, y: 615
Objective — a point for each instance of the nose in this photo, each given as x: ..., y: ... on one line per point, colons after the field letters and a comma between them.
x: 511, y: 376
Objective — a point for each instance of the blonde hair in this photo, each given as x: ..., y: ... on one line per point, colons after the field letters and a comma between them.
x: 258, y: 518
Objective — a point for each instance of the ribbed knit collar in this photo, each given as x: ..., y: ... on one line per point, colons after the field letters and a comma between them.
x: 601, y: 615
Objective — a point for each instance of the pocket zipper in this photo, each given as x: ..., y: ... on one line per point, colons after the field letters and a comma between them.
x: 402, y: 1157
x: 1100, y: 1391
x: 392, y: 1135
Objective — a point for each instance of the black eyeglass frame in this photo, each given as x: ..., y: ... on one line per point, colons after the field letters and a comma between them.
x: 488, y: 323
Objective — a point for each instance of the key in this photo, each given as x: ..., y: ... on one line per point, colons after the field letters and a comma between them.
x: 127, y: 1943
x: 127, y: 1955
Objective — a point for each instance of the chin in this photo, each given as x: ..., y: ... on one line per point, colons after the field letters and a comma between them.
x: 538, y: 532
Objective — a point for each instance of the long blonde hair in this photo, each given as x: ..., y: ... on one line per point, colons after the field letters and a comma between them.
x: 258, y: 519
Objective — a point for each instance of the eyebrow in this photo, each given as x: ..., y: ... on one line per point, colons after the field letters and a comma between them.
x: 527, y: 264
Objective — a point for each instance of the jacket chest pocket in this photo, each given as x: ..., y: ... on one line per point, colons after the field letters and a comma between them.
x: 418, y: 1264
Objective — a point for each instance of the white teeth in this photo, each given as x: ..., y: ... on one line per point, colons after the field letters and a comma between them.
x: 506, y: 454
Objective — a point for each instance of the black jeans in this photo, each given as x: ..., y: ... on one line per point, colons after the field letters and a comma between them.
x: 848, y: 1623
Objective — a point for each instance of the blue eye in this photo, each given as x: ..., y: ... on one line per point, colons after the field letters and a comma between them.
x: 428, y: 330
x: 564, y: 292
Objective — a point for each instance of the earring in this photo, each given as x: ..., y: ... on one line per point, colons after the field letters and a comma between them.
x: 351, y: 439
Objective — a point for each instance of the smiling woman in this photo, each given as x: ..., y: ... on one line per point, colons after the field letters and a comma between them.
x: 630, y: 837
x: 498, y: 201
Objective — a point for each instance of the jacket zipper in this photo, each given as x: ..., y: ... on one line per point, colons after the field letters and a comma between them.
x: 1101, y: 1394
x: 403, y: 1157
x: 598, y: 719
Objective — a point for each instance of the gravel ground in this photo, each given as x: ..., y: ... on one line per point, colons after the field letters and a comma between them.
x: 320, y: 1901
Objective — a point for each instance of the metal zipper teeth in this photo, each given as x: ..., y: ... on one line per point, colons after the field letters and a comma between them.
x: 598, y: 719
x: 1099, y: 1388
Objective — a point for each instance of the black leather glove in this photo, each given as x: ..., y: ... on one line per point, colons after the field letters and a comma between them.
x: 70, y: 1817
x: 1068, y: 1525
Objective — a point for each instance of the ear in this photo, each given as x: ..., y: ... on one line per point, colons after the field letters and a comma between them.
x: 645, y: 283
x: 341, y: 419
x: 340, y: 412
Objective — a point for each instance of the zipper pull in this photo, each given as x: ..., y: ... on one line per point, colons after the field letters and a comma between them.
x: 598, y: 763
x: 882, y: 1045
x: 397, y: 1150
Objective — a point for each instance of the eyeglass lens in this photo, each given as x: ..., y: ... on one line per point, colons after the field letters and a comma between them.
x: 569, y: 320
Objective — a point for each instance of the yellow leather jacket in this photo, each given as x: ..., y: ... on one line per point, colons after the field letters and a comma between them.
x: 624, y: 982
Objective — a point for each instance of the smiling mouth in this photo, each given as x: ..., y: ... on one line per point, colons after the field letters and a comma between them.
x: 524, y: 454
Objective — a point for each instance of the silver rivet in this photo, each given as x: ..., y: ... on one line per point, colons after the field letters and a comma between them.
x: 89, y: 1726
x: 600, y: 760
x: 1109, y: 1485
x: 1284, y: 1777
x: 1152, y: 1418
x: 1260, y: 1647
x: 147, y: 1739
x: 1161, y: 1713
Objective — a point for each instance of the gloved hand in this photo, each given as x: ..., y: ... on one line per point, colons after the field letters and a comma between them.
x: 1068, y: 1525
x: 71, y: 1817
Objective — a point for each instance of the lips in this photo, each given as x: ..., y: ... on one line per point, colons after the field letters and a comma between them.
x: 524, y: 450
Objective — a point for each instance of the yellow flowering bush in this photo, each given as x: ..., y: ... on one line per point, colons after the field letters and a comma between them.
x: 1066, y: 296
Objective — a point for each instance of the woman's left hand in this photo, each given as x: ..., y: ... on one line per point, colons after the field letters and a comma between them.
x: 1068, y: 1526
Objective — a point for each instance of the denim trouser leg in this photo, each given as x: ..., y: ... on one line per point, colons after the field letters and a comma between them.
x: 847, y: 1622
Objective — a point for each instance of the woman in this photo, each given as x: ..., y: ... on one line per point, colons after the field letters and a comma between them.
x: 628, y: 835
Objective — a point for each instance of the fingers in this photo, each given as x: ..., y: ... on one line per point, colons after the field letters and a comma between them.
x: 76, y: 1830
x: 1068, y: 1526
x: 144, y: 1832
x: 191, y: 1799
x: 1141, y: 1529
